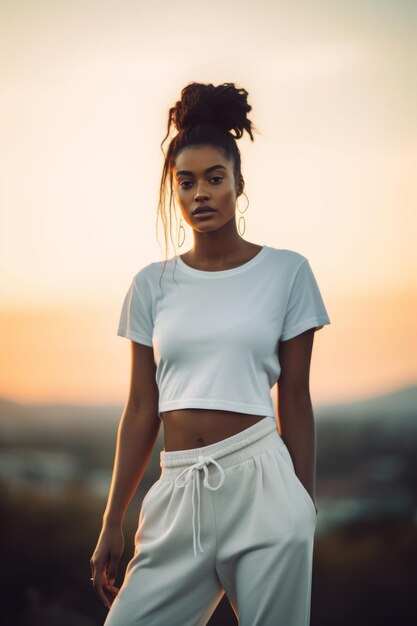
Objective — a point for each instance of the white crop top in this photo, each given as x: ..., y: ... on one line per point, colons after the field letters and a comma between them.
x: 215, y: 334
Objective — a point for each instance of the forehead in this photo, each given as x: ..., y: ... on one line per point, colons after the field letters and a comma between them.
x: 196, y: 159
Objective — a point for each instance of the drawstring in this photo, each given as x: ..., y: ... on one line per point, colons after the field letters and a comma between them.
x: 191, y: 471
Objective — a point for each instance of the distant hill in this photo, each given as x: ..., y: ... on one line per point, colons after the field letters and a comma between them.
x: 86, y: 432
x: 391, y: 417
x: 18, y: 415
x: 400, y: 402
x: 399, y: 406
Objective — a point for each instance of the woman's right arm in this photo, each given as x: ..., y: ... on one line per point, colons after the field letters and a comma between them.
x: 138, y: 429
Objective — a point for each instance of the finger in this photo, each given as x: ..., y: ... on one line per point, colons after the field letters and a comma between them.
x: 98, y: 580
x: 112, y: 569
x: 111, y: 596
x: 111, y: 593
x: 98, y: 588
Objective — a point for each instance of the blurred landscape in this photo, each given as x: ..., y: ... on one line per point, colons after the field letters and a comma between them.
x: 55, y: 470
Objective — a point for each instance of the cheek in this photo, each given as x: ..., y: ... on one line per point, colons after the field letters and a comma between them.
x: 182, y: 197
x: 227, y: 195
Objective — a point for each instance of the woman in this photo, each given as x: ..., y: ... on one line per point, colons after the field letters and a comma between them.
x: 233, y: 510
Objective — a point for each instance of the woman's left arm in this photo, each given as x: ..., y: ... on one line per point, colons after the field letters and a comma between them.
x: 295, y: 410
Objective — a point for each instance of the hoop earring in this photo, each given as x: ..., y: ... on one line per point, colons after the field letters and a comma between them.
x: 179, y: 231
x: 241, y: 217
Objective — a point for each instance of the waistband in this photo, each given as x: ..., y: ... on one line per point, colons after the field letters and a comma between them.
x: 182, y: 466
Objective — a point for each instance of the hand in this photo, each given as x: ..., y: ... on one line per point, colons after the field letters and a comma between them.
x: 104, y: 563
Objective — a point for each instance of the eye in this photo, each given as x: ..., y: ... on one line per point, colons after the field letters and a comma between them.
x: 185, y: 182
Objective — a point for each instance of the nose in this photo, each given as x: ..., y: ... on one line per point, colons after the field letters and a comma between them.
x: 200, y: 191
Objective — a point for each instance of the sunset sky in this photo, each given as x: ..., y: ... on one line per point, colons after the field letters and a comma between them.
x: 85, y: 92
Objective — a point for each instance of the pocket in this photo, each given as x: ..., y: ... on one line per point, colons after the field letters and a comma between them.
x: 149, y: 493
x: 285, y: 454
x: 145, y: 529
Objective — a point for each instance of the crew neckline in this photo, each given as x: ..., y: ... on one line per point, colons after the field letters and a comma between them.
x: 222, y: 273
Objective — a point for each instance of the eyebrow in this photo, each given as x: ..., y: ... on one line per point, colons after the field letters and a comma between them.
x: 209, y: 169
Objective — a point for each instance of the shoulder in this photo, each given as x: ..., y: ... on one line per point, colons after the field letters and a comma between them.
x: 149, y: 274
x: 284, y: 258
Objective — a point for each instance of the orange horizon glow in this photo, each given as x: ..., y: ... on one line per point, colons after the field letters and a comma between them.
x: 76, y: 356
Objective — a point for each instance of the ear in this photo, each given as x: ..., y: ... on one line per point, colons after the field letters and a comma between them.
x: 240, y: 187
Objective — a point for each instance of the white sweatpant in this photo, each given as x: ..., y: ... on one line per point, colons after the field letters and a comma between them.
x: 246, y: 529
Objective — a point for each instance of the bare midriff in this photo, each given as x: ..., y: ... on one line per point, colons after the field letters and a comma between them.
x: 194, y: 428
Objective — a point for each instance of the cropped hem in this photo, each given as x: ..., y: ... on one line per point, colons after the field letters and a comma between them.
x: 225, y: 405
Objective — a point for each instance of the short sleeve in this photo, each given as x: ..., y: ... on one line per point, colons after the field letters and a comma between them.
x: 305, y: 308
x: 136, y: 320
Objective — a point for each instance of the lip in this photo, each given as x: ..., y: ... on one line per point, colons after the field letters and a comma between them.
x: 203, y: 208
x: 204, y: 215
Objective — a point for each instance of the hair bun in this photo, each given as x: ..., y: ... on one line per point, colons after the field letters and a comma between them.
x: 224, y: 106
